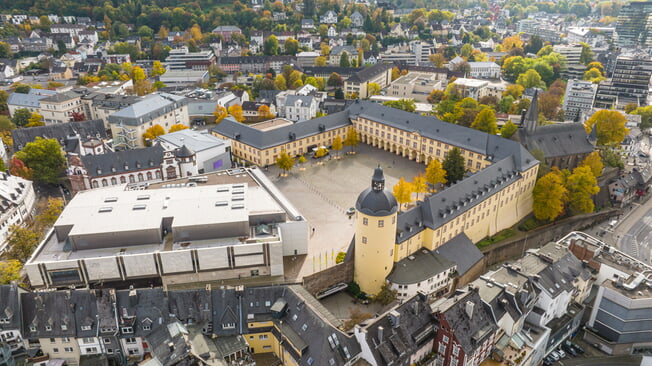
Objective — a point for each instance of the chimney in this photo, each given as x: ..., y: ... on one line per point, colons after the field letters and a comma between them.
x: 171, y: 346
x: 394, y: 318
x: 415, y: 306
x: 380, y: 334
x: 469, y: 309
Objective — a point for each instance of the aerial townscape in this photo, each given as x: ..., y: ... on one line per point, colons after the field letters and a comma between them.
x: 325, y: 183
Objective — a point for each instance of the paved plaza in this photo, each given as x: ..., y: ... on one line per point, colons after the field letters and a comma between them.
x: 323, y: 193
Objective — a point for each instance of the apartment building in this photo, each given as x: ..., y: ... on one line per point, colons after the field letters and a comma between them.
x: 629, y: 82
x: 18, y: 200
x: 415, y: 85
x: 182, y: 59
x: 484, y: 70
x: 356, y: 84
x: 129, y: 124
x: 59, y: 108
x: 29, y: 101
x: 578, y: 99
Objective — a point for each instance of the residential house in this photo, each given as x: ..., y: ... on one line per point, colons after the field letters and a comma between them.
x: 61, y: 73
x: 300, y: 108
x: 466, y: 332
x: 69, y: 135
x: 484, y: 70
x: 18, y: 203
x: 10, y: 321
x: 307, y: 24
x: 227, y: 31
x: 330, y: 17
x: 29, y: 101
x: 357, y: 20
x: 404, y: 335
x: 423, y: 271
x: 335, y: 56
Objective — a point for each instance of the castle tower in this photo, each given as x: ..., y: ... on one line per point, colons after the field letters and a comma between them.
x: 187, y: 161
x: 375, y: 234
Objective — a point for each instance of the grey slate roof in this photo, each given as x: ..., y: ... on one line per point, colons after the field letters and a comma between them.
x: 264, y: 139
x: 461, y: 251
x: 85, y: 306
x: 168, y: 344
x: 369, y: 72
x: 25, y: 100
x: 470, y: 332
x: 9, y: 307
x: 123, y: 161
x: 59, y: 131
x: 419, y: 266
x: 562, y: 139
x: 61, y: 97
x: 196, y: 141
x: 149, y: 107
x: 415, y: 327
x: 142, y: 307
x: 191, y: 306
x: 305, y: 100
x: 46, y: 312
x: 377, y: 202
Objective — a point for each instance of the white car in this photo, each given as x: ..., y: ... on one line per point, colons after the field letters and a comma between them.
x: 554, y: 355
x: 562, y: 354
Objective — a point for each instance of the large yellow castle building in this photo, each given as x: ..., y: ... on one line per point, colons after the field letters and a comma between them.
x: 495, y: 195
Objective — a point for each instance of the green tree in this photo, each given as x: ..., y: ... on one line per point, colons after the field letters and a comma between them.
x: 351, y: 138
x: 646, y: 116
x: 454, y: 166
x: 402, y: 192
x: 344, y: 60
x: 335, y: 80
x: 291, y: 46
x: 337, y: 145
x: 530, y: 79
x: 612, y: 157
x: 486, y: 121
x: 386, y: 295
x: 145, y: 31
x: 581, y: 185
x: 21, y: 117
x: 407, y: 105
x: 339, y: 94
x: 506, y: 103
x: 594, y: 161
x: 285, y: 162
x: 610, y: 127
x: 549, y: 196
x: 508, y: 130
x: 419, y: 185
x: 320, y: 61
x: 280, y: 82
x: 593, y: 75
x: 45, y: 158
x: 435, y: 96
x: 270, y: 46
x: 587, y: 54
x: 514, y: 90
x: 10, y: 271
x: 435, y: 174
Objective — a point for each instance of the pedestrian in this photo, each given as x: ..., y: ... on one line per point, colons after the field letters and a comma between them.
x: 313, y: 230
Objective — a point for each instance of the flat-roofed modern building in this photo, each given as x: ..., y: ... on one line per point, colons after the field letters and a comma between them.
x: 226, y: 225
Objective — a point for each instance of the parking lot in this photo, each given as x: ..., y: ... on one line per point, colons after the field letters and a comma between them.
x: 324, y: 191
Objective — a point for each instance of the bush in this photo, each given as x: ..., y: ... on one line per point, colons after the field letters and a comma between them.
x: 340, y: 257
x: 531, y: 224
x: 496, y: 238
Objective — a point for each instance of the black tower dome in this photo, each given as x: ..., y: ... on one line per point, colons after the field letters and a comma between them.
x: 376, y: 200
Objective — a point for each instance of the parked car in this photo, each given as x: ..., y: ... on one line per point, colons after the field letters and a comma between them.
x: 561, y: 353
x: 579, y: 349
x: 569, y: 348
x: 554, y: 355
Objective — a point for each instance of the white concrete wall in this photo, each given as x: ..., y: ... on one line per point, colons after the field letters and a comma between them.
x: 294, y: 235
x: 138, y: 265
x: 213, y: 258
x: 105, y: 268
x: 176, y: 261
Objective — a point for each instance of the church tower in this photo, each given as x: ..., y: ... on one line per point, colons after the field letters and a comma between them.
x: 375, y: 234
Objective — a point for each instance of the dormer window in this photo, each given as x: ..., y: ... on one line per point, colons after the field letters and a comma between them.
x: 64, y: 327
x: 32, y: 328
x: 127, y: 330
x: 147, y: 327
x: 228, y: 325
x: 86, y: 327
x: 48, y: 328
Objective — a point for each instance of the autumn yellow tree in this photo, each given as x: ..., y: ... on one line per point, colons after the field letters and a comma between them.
x: 419, y: 185
x: 152, y: 133
x: 220, y: 113
x: 264, y: 112
x: 35, y: 120
x: 177, y: 127
x: 157, y: 69
x: 351, y: 138
x: 10, y: 271
x: 549, y: 196
x: 337, y: 146
x: 512, y: 42
x: 49, y: 215
x: 594, y: 161
x: 610, y: 127
x: 435, y: 174
x: 137, y: 73
x: 402, y: 192
x: 236, y: 112
x: 581, y: 185
x: 285, y: 162
x: 195, y: 32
